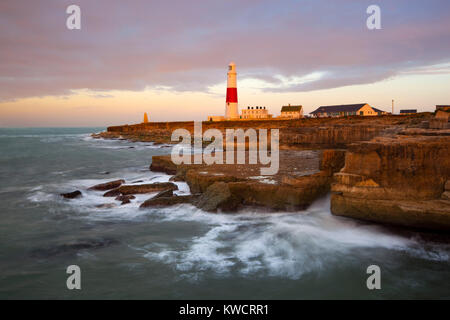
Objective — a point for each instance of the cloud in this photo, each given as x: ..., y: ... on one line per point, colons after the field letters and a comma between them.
x: 101, y: 96
x: 428, y: 70
x: 186, y: 45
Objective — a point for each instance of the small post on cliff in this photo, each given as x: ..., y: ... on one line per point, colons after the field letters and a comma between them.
x: 145, y: 118
x: 392, y: 106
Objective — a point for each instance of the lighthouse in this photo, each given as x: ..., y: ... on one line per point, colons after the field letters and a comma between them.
x: 231, y: 107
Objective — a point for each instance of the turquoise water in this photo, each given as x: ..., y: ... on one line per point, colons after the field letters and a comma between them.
x: 182, y: 252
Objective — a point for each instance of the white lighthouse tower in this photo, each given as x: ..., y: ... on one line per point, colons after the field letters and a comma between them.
x: 231, y: 107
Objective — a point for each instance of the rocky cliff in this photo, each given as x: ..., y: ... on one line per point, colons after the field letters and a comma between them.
x: 303, y: 177
x: 392, y: 170
x: 397, y: 180
x: 294, y: 134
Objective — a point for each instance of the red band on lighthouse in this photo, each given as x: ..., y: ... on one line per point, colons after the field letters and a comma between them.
x: 232, y: 95
x: 231, y: 105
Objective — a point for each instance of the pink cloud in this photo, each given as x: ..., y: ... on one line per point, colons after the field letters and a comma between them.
x: 187, y: 44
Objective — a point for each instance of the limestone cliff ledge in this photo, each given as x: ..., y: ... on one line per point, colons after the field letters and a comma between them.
x: 397, y: 168
x: 303, y: 177
x: 323, y: 133
x: 399, y: 180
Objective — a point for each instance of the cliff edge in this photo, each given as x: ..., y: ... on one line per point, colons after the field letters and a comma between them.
x: 400, y: 180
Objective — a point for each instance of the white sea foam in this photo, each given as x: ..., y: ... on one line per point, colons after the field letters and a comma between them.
x: 41, y: 196
x: 250, y: 243
x: 87, y: 205
x: 282, y: 244
x: 122, y: 144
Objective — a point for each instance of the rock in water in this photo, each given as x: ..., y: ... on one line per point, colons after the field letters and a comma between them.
x: 147, y: 188
x: 199, y: 181
x: 176, y: 178
x: 112, y: 193
x: 107, y: 185
x: 164, y: 194
x: 121, y: 198
x: 125, y: 199
x: 163, y: 164
x: 218, y: 196
x: 71, y: 195
x: 106, y: 206
x: 169, y: 201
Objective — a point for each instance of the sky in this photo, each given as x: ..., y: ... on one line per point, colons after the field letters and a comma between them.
x: 169, y: 58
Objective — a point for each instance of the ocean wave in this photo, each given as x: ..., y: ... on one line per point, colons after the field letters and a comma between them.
x: 249, y: 243
x: 122, y: 144
x: 87, y: 205
x: 281, y: 244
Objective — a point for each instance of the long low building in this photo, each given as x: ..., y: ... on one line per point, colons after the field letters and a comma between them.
x: 443, y: 107
x: 406, y: 112
x: 255, y: 113
x: 361, y: 109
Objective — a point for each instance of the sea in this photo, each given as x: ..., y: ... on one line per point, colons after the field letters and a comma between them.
x: 181, y: 252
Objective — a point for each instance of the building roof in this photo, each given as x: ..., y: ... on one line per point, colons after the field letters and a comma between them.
x: 291, y: 108
x: 408, y: 111
x: 378, y: 110
x: 339, y: 108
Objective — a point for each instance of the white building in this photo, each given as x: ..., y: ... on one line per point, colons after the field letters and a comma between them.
x: 255, y: 113
x: 291, y: 112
